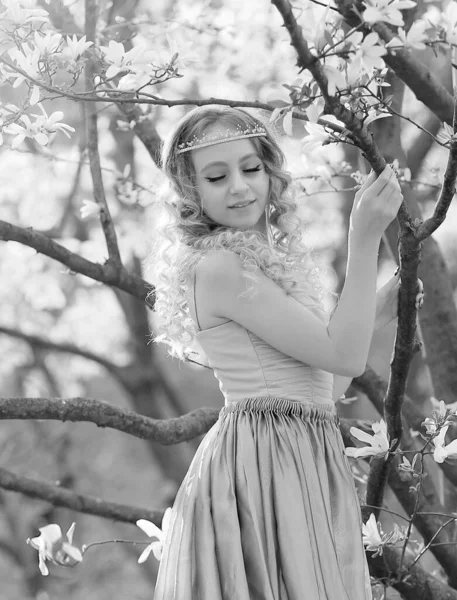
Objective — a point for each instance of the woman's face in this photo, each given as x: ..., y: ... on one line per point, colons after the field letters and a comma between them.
x: 232, y: 183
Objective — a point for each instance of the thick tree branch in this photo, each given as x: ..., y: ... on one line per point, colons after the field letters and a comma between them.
x: 90, y: 505
x: 107, y: 273
x: 103, y: 414
x: 92, y: 142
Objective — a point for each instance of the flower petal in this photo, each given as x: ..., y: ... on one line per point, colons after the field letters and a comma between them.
x: 145, y: 554
x: 149, y: 528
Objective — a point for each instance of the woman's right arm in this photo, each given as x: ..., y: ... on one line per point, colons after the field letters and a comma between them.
x: 278, y: 319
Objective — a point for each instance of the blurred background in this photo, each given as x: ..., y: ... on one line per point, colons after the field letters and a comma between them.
x: 227, y: 49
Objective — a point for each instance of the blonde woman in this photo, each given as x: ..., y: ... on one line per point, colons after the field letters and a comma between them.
x: 268, y: 509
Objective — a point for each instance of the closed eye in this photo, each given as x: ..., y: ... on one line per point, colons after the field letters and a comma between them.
x: 214, y: 179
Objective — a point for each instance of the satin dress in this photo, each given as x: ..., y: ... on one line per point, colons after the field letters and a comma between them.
x: 268, y: 509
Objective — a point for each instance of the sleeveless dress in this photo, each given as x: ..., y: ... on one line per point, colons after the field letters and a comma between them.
x: 268, y: 509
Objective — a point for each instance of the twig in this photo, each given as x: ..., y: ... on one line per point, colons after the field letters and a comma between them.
x: 448, y: 190
x: 92, y: 144
x: 79, y: 502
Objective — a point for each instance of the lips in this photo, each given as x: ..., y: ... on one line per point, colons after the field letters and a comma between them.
x: 242, y: 204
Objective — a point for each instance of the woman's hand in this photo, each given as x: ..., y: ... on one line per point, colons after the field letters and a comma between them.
x: 376, y: 205
x: 387, y: 302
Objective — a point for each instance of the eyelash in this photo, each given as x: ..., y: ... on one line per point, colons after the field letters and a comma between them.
x: 216, y: 179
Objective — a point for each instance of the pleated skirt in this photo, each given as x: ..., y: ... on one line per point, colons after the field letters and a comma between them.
x: 267, y: 511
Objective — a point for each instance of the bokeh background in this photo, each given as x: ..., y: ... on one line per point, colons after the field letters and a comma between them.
x: 227, y: 49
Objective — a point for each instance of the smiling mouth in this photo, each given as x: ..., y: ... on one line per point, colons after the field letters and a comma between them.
x: 242, y: 204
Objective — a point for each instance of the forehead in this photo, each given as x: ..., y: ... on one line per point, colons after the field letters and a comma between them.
x: 225, y: 152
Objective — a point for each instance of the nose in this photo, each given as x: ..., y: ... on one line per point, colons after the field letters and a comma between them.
x: 238, y: 183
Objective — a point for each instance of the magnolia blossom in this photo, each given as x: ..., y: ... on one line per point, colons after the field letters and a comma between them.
x: 386, y: 10
x: 368, y: 51
x: 152, y: 530
x: 449, y: 22
x: 77, y: 47
x: 315, y: 138
x: 40, y: 130
x: 379, y: 442
x: 414, y: 39
x: 442, y: 407
x: 47, y: 44
x: 370, y: 534
x: 89, y: 208
x: 52, y: 546
x: 21, y: 13
x: 134, y: 60
x: 447, y: 135
x: 28, y: 62
x: 441, y: 451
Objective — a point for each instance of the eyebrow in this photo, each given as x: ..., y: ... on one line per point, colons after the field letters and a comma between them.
x: 223, y: 164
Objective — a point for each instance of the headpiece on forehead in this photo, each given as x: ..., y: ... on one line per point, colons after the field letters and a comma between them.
x: 228, y: 135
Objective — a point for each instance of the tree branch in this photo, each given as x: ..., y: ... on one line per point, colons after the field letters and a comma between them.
x: 408, y: 68
x: 92, y: 143
x: 448, y: 189
x: 58, y: 496
x: 306, y: 60
x: 107, y: 273
x: 40, y: 342
x: 103, y: 414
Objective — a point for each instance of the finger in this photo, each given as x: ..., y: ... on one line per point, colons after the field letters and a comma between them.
x: 383, y: 179
x: 368, y: 181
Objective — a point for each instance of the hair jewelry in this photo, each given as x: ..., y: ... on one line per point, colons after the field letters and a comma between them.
x: 228, y: 135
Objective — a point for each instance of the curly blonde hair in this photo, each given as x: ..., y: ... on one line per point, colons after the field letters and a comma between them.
x: 187, y: 232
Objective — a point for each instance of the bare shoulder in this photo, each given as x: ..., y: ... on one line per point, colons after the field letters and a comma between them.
x: 219, y: 269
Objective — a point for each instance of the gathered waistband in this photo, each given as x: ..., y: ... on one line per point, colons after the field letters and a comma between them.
x: 306, y: 409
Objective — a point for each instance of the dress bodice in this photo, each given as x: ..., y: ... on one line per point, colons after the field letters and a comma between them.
x: 247, y: 367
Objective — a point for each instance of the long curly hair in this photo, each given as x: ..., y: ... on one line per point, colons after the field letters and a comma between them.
x: 186, y: 232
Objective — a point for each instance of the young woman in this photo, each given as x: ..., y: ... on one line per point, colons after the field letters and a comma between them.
x: 268, y: 509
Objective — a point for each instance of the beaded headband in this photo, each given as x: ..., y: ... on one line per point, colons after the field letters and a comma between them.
x: 228, y: 136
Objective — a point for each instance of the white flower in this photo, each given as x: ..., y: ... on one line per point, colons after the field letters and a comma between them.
x: 89, y: 208
x: 134, y: 60
x: 17, y: 16
x: 441, y: 451
x: 379, y: 442
x: 430, y: 425
x: 35, y: 95
x: 369, y: 52
x: 47, y: 44
x: 414, y: 39
x: 449, y: 22
x: 77, y: 47
x: 132, y: 81
x: 313, y: 111
x: 370, y: 534
x: 315, y: 138
x: 28, y: 62
x: 40, y: 130
x: 386, y: 10
x: 52, y: 546
x: 447, y: 135
x: 373, y: 115
x: 152, y: 530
